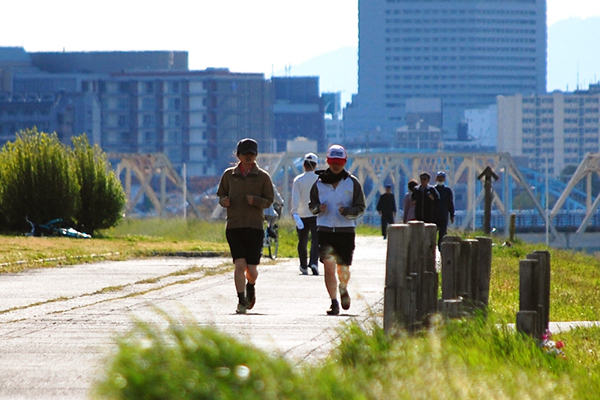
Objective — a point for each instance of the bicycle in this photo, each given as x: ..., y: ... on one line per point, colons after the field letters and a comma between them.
x: 54, y: 228
x: 271, y: 240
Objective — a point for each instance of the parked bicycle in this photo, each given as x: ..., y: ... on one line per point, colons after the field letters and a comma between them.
x: 54, y: 228
x: 272, y: 215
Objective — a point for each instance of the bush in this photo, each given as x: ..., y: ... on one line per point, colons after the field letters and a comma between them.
x: 38, y: 180
x: 102, y: 196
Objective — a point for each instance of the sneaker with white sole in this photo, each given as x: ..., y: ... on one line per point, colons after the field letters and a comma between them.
x: 304, y: 271
x: 315, y: 269
x: 344, y: 297
x: 334, y: 309
x: 241, y: 309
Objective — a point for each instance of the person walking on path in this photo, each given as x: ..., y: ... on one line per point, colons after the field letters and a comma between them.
x: 337, y: 199
x: 444, y: 207
x: 409, y: 207
x: 245, y: 190
x: 424, y: 198
x: 306, y: 222
x: 386, y: 206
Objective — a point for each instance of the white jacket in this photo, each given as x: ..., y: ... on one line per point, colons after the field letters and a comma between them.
x: 301, y: 193
x: 348, y: 194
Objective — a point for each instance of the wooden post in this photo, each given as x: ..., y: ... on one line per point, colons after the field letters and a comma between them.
x: 527, y: 297
x: 484, y: 270
x: 395, y: 277
x: 451, y: 308
x: 541, y: 276
x: 450, y: 265
x: 473, y: 272
x: 430, y: 275
x: 467, y: 271
x: 513, y: 222
x: 416, y: 265
x: 488, y: 174
x: 527, y: 323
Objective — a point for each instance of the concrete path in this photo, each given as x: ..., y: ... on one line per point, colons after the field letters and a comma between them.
x: 58, y: 325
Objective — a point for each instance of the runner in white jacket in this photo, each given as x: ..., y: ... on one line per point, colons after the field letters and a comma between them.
x: 306, y: 222
x: 337, y: 198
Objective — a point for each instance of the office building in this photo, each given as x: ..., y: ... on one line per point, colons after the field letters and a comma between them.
x: 464, y: 52
x: 298, y: 111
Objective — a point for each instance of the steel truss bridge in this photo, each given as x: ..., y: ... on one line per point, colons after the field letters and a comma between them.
x: 573, y: 205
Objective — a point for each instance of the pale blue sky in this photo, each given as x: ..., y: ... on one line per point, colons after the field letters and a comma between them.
x: 242, y: 35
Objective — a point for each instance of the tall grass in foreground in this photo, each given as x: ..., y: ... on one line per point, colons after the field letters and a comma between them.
x: 468, y: 359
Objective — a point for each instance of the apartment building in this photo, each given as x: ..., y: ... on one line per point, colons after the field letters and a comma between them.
x: 137, y: 102
x: 550, y: 131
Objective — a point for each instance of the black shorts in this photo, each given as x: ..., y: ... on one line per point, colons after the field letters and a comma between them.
x: 245, y: 243
x: 338, y: 244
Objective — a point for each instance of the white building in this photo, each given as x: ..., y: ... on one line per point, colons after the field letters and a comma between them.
x: 552, y: 130
x: 483, y: 126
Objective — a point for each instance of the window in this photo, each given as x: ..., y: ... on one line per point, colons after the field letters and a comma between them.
x: 148, y: 104
x: 149, y: 87
x: 148, y: 120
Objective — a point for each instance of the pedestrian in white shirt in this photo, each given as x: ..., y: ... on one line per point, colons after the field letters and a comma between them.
x: 306, y: 221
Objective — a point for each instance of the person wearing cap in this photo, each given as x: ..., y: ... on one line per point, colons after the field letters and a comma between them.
x: 444, y: 207
x: 386, y: 206
x: 245, y: 190
x: 409, y: 207
x: 424, y: 197
x: 306, y: 222
x: 337, y: 199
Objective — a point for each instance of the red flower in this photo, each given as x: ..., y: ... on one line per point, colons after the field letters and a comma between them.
x: 560, y: 344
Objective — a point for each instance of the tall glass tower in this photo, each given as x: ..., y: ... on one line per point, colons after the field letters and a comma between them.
x: 462, y: 52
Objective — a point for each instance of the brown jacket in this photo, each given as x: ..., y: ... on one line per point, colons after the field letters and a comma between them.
x: 234, y: 185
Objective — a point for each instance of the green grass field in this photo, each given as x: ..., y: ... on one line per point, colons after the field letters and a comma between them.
x: 464, y: 359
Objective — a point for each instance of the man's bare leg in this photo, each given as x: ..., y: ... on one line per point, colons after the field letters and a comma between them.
x: 344, y: 276
x: 329, y: 265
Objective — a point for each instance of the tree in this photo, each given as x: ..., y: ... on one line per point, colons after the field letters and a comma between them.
x: 38, y: 180
x: 102, y: 196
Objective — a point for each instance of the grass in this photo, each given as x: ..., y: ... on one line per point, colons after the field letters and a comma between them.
x: 467, y: 359
x: 464, y: 359
x: 131, y: 238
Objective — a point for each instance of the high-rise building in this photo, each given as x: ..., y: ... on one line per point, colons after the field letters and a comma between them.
x: 464, y: 52
x: 550, y: 131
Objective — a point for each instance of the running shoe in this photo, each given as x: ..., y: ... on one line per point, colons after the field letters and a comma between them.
x: 334, y: 309
x: 344, y: 297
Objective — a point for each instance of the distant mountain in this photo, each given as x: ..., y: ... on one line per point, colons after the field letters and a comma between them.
x: 572, y: 47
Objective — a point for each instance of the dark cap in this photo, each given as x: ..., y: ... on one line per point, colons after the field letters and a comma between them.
x: 388, y: 185
x: 441, y: 173
x: 247, y: 146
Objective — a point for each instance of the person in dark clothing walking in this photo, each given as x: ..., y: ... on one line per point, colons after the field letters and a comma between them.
x: 444, y: 207
x: 424, y: 198
x: 386, y: 206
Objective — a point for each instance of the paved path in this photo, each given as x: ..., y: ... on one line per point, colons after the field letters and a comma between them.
x: 57, y: 325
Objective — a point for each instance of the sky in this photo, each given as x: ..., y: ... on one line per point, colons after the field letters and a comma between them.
x: 242, y: 35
